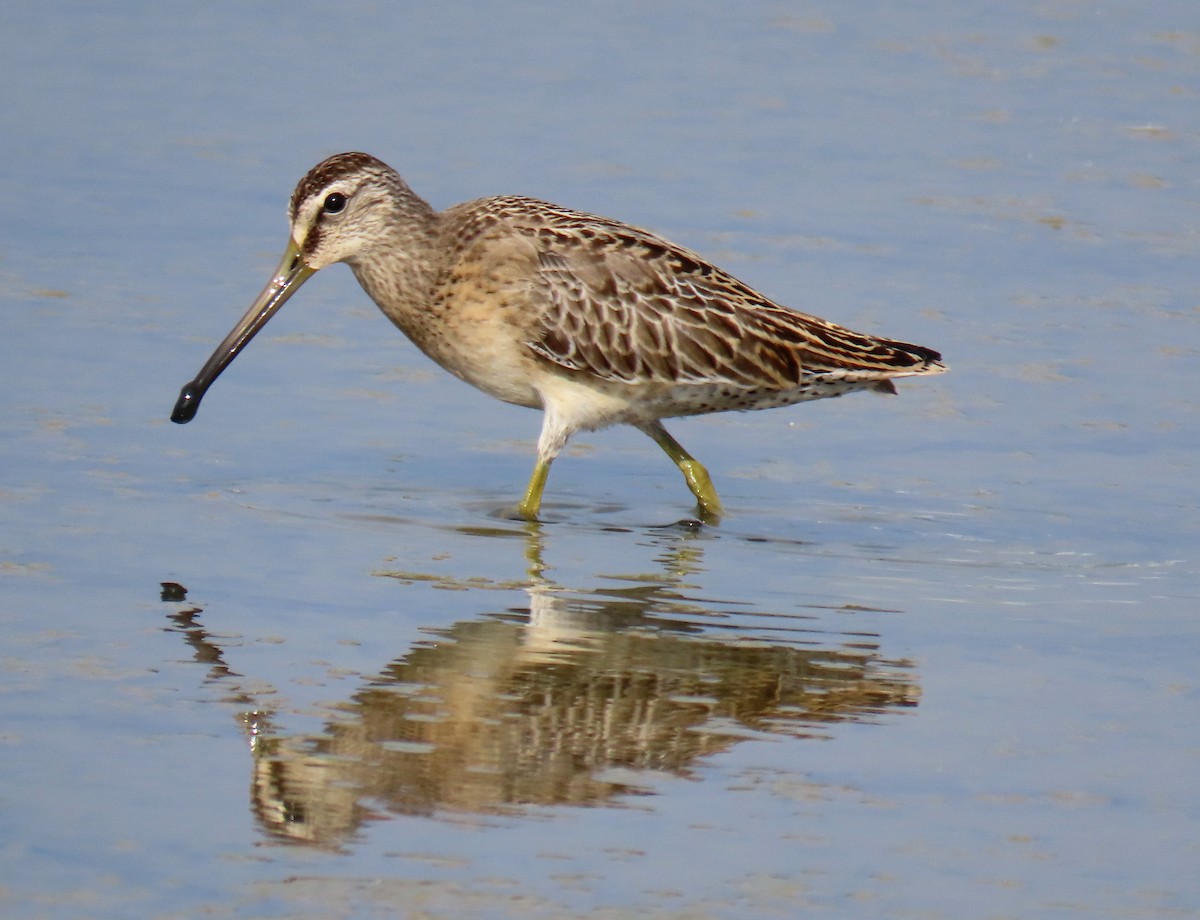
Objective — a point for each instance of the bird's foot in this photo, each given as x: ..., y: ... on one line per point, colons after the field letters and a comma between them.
x: 708, y: 506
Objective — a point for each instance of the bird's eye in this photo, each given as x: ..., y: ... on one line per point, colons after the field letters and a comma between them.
x: 334, y: 203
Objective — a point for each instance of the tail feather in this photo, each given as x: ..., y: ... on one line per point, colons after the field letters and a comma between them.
x: 916, y: 359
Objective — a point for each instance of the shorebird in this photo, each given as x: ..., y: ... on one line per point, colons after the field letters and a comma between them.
x: 591, y: 320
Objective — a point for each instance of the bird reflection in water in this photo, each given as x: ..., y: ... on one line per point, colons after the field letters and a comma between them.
x: 577, y: 698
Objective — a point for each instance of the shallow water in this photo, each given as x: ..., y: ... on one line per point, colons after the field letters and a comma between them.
x: 290, y: 661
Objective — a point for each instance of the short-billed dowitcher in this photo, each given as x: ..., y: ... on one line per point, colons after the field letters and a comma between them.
x: 590, y: 320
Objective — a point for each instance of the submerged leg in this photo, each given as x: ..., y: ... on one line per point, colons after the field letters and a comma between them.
x: 532, y: 502
x: 550, y: 443
x: 698, y: 480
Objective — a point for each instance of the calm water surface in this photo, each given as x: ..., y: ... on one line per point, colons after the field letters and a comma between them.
x: 939, y: 662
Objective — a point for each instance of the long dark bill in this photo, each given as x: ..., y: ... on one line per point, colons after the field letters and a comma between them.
x: 286, y: 280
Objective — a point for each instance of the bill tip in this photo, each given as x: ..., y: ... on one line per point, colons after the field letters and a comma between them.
x: 186, y: 405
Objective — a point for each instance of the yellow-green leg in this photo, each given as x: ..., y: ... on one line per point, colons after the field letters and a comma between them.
x: 532, y: 502
x: 708, y: 505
